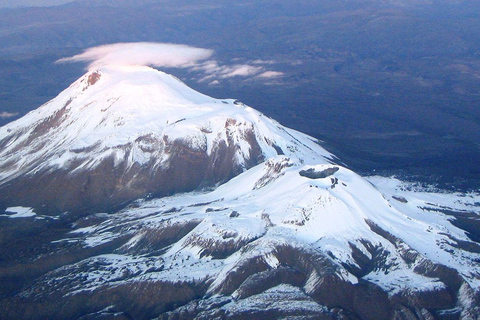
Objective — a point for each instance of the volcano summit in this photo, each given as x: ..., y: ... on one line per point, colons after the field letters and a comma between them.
x: 147, y: 199
x: 122, y: 133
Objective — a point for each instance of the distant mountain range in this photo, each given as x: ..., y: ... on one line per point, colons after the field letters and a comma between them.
x: 131, y: 3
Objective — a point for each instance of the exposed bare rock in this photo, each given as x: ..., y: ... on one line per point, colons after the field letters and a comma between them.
x: 313, y: 174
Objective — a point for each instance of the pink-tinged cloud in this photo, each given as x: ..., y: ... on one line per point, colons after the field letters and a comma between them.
x: 142, y: 53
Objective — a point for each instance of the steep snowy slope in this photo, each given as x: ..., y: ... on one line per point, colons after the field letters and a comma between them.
x: 230, y: 216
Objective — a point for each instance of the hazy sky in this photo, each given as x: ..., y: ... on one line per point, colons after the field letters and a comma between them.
x: 26, y: 3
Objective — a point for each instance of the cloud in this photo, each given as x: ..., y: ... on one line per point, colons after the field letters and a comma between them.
x: 5, y: 115
x: 216, y: 71
x: 168, y: 55
x: 242, y: 70
x: 270, y: 74
x: 142, y: 53
x: 259, y: 61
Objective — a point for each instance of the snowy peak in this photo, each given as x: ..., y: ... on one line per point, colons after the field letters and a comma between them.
x: 129, y: 131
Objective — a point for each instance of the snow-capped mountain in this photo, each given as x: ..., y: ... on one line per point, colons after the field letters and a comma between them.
x: 225, y: 214
x: 121, y: 133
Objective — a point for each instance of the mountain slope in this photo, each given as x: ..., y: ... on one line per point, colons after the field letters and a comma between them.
x: 332, y: 247
x: 127, y: 132
x: 230, y: 216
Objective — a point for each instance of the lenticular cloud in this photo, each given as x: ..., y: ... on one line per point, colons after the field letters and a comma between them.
x: 169, y: 55
x: 142, y: 53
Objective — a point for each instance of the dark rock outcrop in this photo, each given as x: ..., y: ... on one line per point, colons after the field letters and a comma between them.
x: 314, y: 174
